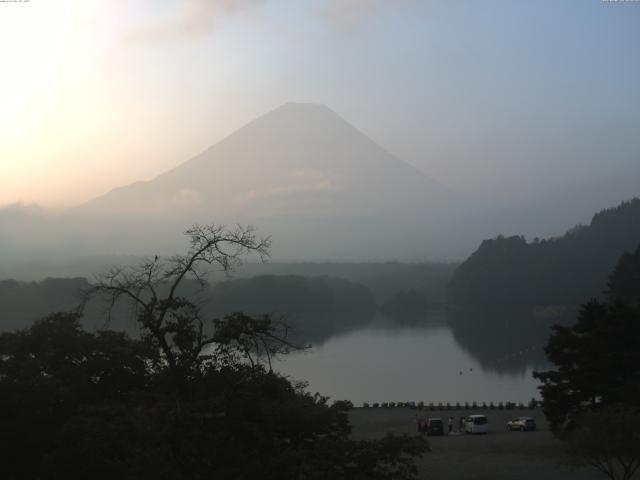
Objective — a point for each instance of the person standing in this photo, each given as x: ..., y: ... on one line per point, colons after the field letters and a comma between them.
x: 422, y: 425
x: 461, y: 425
x: 450, y: 425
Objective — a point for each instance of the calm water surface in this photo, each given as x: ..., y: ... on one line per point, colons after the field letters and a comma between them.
x: 421, y: 362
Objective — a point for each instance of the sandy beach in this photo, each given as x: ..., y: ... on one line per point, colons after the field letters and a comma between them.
x: 499, y: 455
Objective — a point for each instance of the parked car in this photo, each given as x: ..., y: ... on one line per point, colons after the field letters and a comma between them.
x: 435, y: 426
x: 524, y: 424
x: 476, y: 424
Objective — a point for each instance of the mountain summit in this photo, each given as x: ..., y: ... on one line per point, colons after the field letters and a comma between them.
x: 298, y: 157
x: 301, y: 173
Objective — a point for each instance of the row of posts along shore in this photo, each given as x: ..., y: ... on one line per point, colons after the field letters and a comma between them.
x: 436, y: 407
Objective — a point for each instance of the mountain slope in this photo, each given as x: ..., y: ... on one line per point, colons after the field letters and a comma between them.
x: 300, y: 173
x: 296, y: 152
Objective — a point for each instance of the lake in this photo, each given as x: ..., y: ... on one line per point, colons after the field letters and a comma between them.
x: 428, y: 361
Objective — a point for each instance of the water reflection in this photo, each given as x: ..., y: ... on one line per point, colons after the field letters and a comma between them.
x: 504, y: 341
x: 450, y: 357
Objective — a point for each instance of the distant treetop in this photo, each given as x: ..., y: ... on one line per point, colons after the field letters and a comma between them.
x: 509, y: 271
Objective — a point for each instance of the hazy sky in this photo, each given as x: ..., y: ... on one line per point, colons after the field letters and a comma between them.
x: 492, y: 98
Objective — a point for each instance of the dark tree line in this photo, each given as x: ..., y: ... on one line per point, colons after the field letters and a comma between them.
x: 316, y: 308
x: 24, y: 302
x: 592, y: 396
x: 509, y: 271
x: 181, y: 401
x: 406, y: 306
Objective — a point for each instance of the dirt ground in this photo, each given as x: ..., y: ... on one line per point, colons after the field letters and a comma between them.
x: 499, y: 455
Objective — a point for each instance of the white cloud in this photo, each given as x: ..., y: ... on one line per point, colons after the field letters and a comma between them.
x: 297, y: 182
x: 196, y: 17
x: 347, y: 14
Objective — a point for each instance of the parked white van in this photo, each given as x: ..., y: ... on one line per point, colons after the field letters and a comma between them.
x: 476, y: 424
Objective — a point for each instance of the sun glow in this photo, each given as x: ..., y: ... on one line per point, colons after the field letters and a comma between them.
x: 50, y: 87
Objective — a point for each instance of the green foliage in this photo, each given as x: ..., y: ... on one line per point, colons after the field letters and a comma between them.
x: 624, y: 283
x: 48, y: 372
x: 24, y: 302
x: 508, y: 271
x: 383, y: 279
x: 406, y: 306
x: 239, y: 336
x: 98, y: 405
x: 597, y: 359
x: 597, y: 362
x: 607, y: 440
x: 181, y: 402
x: 290, y: 288
x: 315, y: 308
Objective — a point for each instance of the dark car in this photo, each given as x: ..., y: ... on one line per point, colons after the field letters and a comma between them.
x: 524, y: 424
x: 435, y: 426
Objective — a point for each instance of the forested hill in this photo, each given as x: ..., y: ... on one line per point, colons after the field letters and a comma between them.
x: 315, y: 307
x: 21, y: 303
x: 509, y: 271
